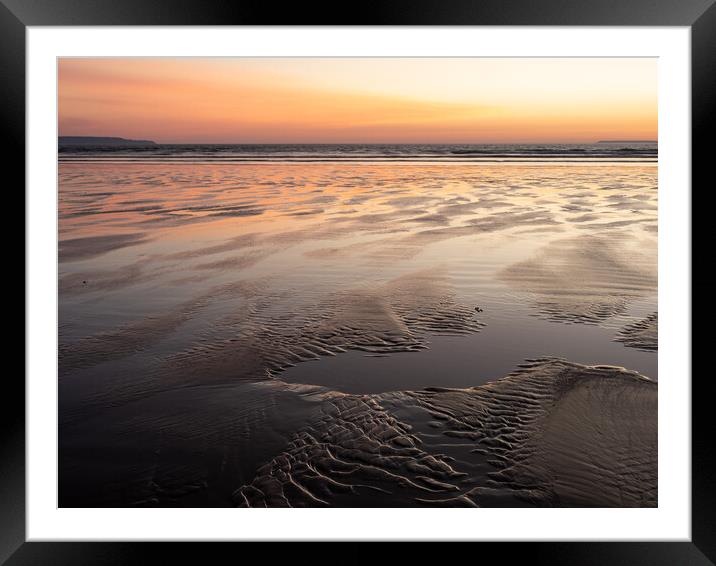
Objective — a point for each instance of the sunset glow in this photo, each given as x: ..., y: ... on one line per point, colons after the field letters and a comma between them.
x: 226, y: 100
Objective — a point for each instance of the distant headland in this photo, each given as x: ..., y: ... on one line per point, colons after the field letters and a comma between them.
x: 95, y: 140
x: 627, y: 141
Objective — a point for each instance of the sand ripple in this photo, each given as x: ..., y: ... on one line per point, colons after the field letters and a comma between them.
x: 562, y: 434
x: 643, y: 335
x: 586, y: 279
x: 356, y: 449
x: 256, y: 342
x: 555, y: 434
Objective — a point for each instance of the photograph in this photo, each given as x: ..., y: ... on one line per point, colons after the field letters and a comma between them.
x: 344, y: 282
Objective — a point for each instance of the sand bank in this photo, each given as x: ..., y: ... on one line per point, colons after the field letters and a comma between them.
x: 553, y: 433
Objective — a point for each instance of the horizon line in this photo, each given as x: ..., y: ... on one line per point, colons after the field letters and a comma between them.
x: 357, y: 142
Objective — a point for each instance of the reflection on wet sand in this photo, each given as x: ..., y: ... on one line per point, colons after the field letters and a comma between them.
x: 192, y: 297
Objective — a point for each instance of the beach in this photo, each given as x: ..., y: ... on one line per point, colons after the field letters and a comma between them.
x: 328, y: 328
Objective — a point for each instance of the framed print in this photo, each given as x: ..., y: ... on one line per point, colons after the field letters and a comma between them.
x: 296, y: 278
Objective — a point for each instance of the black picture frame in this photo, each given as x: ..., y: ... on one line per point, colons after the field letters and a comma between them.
x: 699, y: 15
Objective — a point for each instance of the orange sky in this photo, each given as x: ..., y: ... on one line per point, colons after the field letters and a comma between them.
x: 265, y: 100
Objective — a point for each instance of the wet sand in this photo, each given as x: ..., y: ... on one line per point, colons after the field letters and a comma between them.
x: 324, y: 334
x: 643, y: 334
x: 550, y: 434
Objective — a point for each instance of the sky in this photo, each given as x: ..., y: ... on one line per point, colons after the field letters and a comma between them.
x: 348, y: 100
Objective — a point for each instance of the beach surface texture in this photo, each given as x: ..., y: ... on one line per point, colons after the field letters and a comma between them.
x: 358, y: 326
